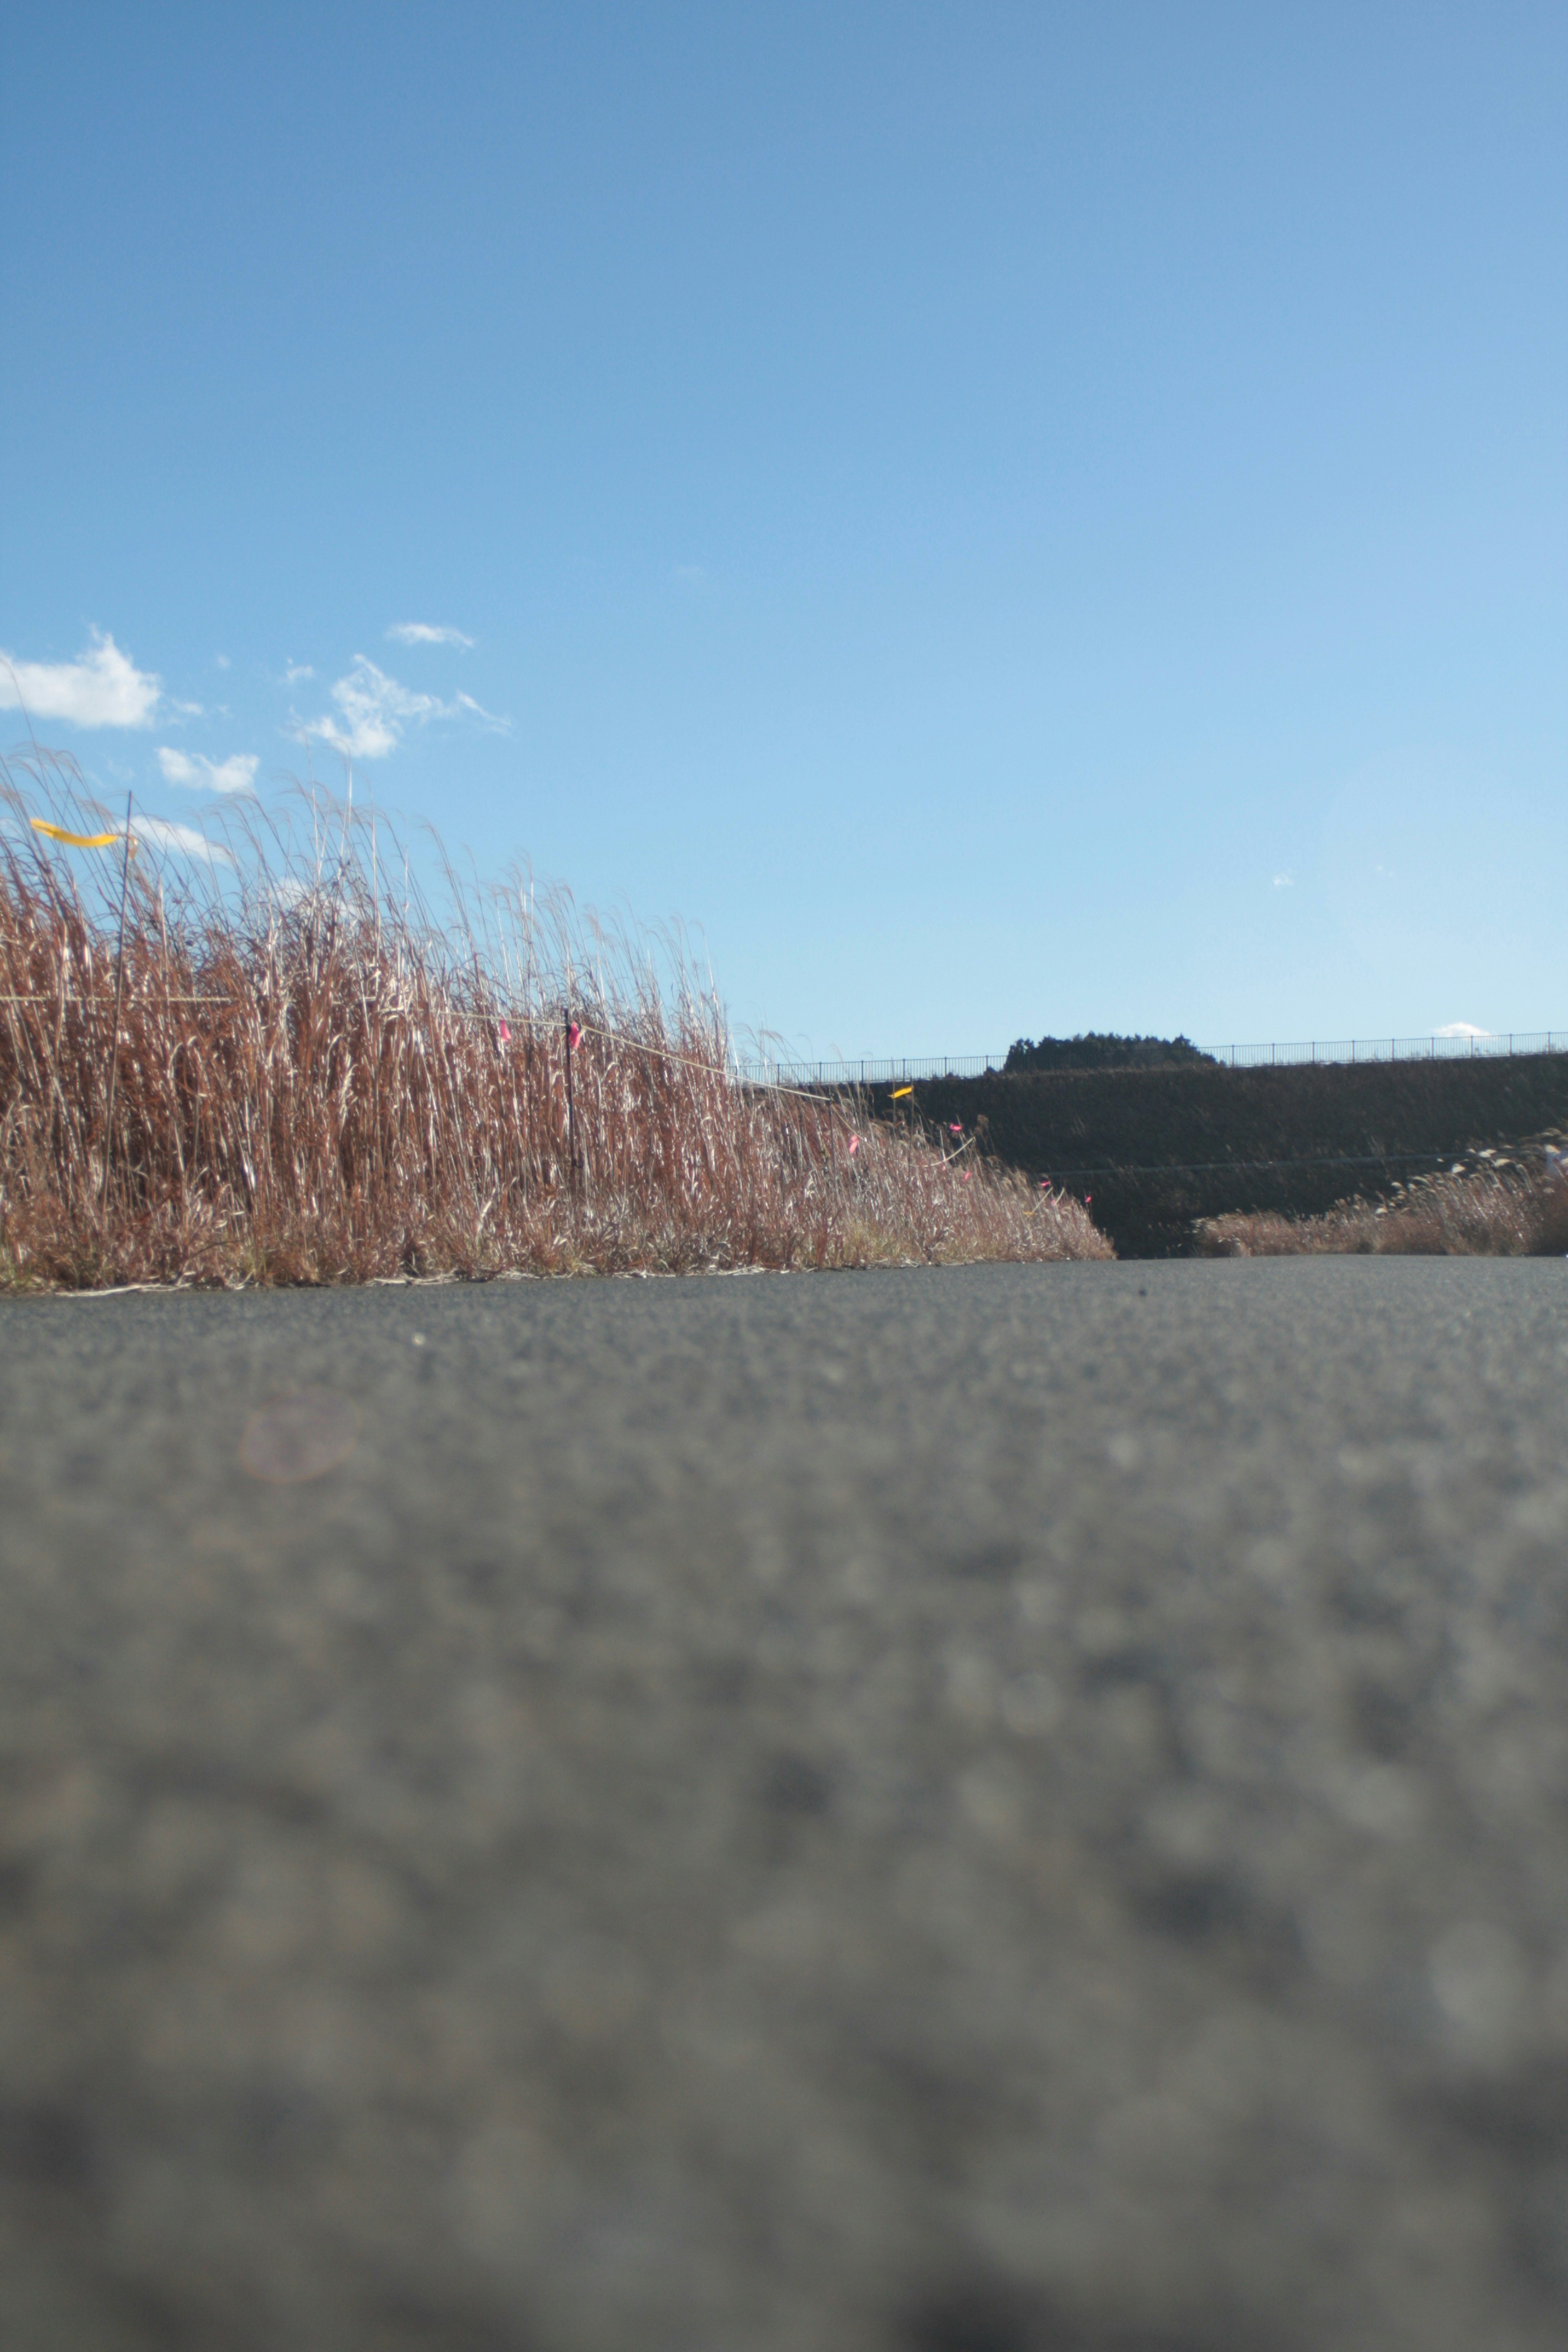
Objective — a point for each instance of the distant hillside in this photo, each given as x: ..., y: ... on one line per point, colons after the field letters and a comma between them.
x: 1101, y: 1050
x: 1160, y: 1147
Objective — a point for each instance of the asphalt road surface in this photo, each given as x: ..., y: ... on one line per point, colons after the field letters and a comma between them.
x: 990, y: 1810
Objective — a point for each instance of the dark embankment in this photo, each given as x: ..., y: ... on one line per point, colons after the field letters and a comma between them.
x: 1158, y: 1147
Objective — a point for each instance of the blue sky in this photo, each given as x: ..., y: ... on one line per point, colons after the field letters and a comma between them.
x: 1006, y: 519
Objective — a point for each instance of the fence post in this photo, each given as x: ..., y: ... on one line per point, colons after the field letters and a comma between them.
x: 119, y: 1000
x: 571, y: 1115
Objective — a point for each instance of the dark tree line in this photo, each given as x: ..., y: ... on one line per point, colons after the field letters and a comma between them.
x: 1098, y: 1050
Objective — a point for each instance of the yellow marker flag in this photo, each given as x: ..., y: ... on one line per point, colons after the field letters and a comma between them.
x: 901, y: 1090
x: 77, y: 840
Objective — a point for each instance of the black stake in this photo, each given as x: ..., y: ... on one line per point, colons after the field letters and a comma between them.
x: 119, y: 1000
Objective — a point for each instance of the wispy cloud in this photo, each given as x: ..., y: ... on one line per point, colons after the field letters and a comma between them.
x: 476, y: 711
x: 295, y: 673
x: 426, y: 633
x: 235, y: 774
x: 294, y: 892
x: 375, y: 711
x: 182, y: 840
x: 1284, y: 881
x: 102, y: 687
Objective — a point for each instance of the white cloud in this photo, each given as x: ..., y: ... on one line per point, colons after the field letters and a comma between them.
x: 102, y: 687
x: 373, y: 710
x: 294, y: 673
x: 1460, y: 1029
x: 184, y: 840
x: 426, y: 633
x: 235, y: 774
x: 1284, y: 881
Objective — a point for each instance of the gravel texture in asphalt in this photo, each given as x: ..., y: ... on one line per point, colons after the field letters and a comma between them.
x: 985, y: 1810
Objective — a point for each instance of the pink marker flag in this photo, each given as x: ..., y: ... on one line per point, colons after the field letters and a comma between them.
x: 505, y: 1034
x: 854, y: 1143
x: 955, y: 1127
x: 574, y: 1036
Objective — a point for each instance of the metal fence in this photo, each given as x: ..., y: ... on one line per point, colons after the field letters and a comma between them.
x: 869, y: 1072
x: 895, y: 1073
x: 1396, y: 1049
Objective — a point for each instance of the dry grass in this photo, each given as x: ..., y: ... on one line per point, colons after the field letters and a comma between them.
x: 315, y: 1082
x: 1495, y: 1206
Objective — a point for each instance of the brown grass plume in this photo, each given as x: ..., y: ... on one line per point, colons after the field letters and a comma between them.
x: 316, y: 1081
x: 1493, y: 1204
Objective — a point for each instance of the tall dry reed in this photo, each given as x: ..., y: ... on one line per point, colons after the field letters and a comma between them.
x: 315, y: 1081
x: 1495, y: 1206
